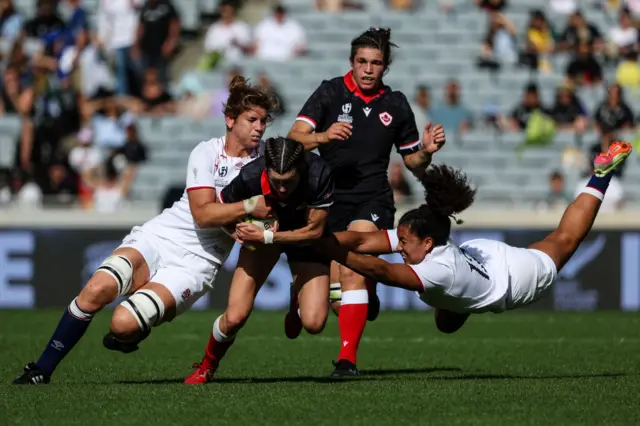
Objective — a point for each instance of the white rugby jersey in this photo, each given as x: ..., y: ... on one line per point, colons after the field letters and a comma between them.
x: 209, y: 167
x: 472, y: 277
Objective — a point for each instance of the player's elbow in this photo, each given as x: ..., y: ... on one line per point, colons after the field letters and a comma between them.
x: 316, y: 232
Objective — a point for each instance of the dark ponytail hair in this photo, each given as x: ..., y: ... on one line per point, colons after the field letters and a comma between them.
x: 283, y: 154
x: 376, y: 38
x: 447, y: 193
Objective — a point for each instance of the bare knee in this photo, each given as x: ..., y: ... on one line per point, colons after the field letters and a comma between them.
x: 98, y: 293
x: 314, y: 322
x: 124, y: 326
x: 234, y: 320
x: 449, y: 322
x: 351, y: 280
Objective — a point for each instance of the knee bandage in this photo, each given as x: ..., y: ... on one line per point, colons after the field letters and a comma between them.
x: 146, y: 307
x: 335, y: 292
x: 120, y: 268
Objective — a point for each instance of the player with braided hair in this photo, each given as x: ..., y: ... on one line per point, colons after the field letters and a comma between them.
x: 479, y: 275
x: 355, y: 121
x: 298, y: 186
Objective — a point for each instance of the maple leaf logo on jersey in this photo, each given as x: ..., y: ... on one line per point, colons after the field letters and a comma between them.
x: 386, y: 118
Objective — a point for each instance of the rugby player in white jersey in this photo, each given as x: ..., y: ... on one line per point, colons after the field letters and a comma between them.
x: 479, y: 275
x: 169, y: 262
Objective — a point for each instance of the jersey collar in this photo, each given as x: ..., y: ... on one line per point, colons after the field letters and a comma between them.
x: 353, y: 88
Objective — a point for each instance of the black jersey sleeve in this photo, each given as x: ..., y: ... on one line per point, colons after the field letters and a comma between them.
x: 407, y: 140
x: 315, y: 109
x: 241, y: 187
x: 324, y: 191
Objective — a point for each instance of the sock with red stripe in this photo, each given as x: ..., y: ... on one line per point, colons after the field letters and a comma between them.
x: 351, y: 321
x: 597, y: 186
x: 70, y: 329
x: 218, y: 345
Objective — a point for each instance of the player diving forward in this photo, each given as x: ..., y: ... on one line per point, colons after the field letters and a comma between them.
x: 479, y: 275
x: 298, y: 185
x: 169, y: 262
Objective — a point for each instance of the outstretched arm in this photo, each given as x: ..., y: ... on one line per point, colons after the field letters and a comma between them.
x: 392, y: 274
x: 376, y: 242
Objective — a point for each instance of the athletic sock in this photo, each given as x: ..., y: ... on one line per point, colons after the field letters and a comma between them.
x: 217, y: 346
x: 70, y: 329
x: 597, y: 186
x: 351, y: 321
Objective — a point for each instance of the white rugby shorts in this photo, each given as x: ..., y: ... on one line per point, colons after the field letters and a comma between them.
x: 531, y: 272
x: 187, y: 276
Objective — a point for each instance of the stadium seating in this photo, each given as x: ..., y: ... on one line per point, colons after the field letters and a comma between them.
x: 434, y: 47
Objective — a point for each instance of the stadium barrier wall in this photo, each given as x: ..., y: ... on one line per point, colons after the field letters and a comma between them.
x: 45, y: 263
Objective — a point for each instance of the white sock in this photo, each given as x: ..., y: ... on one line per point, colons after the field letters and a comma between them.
x: 219, y: 335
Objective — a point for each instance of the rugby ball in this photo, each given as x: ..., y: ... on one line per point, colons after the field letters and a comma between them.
x: 264, y: 224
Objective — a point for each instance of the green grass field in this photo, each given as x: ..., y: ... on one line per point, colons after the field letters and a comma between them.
x: 509, y: 369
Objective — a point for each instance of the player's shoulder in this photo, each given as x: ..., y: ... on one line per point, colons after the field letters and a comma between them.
x: 331, y: 86
x: 315, y: 163
x: 396, y: 98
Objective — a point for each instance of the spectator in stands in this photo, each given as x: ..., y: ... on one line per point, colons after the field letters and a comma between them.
x: 154, y: 98
x: 279, y: 38
x: 558, y: 196
x: 85, y: 159
x: 584, y: 69
x: 578, y: 32
x: 28, y: 193
x: 500, y: 43
x: 10, y: 21
x: 110, y: 124
x: 401, y: 189
x: 491, y: 5
x: 265, y: 82
x: 16, y: 98
x: 622, y: 38
x: 337, y: 5
x: 408, y: 5
x: 633, y: 6
x: 117, y: 26
x: 78, y: 22
x: 628, y: 72
x: 134, y: 151
x: 85, y: 64
x: 157, y: 38
x: 529, y: 104
x: 111, y: 187
x: 61, y: 188
x: 46, y: 21
x: 421, y: 105
x: 614, y: 113
x: 5, y: 187
x: 563, y: 7
x: 228, y: 38
x: 568, y: 112
x: 452, y: 114
x: 540, y: 42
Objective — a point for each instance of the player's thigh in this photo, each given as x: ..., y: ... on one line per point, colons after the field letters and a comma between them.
x: 313, y: 280
x: 129, y: 268
x: 532, y: 272
x: 252, y: 270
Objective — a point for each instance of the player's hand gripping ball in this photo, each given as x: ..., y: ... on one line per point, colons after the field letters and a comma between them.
x: 249, y: 235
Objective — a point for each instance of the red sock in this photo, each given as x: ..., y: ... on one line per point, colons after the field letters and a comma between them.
x: 217, y: 346
x: 351, y: 321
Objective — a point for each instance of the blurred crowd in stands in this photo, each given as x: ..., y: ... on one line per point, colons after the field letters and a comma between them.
x: 79, y: 83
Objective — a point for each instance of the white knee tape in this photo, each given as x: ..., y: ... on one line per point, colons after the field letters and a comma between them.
x: 335, y: 292
x: 146, y: 307
x: 120, y: 268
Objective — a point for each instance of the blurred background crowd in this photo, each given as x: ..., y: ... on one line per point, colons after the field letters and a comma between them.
x: 101, y: 101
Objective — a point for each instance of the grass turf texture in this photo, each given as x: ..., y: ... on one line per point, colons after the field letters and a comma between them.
x: 514, y: 368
